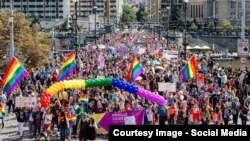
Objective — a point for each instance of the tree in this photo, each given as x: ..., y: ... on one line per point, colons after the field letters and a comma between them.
x: 175, y: 18
x: 141, y: 15
x: 226, y: 25
x: 128, y: 14
x: 29, y: 40
x: 193, y: 27
x: 211, y: 26
x: 35, y: 19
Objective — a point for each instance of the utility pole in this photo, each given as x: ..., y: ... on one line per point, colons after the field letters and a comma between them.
x: 11, y: 23
x: 243, y: 22
x: 185, y: 29
x: 95, y: 9
x: 76, y: 30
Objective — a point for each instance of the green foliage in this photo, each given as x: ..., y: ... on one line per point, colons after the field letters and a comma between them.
x: 28, y: 38
x: 193, y: 27
x: 142, y: 15
x: 175, y: 18
x: 211, y: 26
x: 128, y: 14
x: 226, y: 25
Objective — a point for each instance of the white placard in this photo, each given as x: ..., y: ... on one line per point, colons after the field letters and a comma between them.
x: 129, y: 120
x: 169, y: 87
x: 26, y: 102
x: 243, y: 47
x: 141, y: 51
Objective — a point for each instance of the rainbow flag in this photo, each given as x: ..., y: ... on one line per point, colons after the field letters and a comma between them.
x: 133, y: 37
x: 189, y: 70
x: 71, y: 119
x: 135, y: 70
x: 2, y: 111
x: 84, y: 101
x: 14, y: 74
x: 68, y: 67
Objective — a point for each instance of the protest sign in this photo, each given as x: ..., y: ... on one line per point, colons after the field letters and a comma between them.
x: 122, y: 49
x: 30, y: 102
x: 169, y: 87
x: 173, y: 54
x: 141, y: 51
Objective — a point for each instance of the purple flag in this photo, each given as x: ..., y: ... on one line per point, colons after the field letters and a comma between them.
x: 122, y: 118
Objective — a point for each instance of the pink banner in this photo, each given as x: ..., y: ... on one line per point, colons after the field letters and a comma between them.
x: 122, y: 118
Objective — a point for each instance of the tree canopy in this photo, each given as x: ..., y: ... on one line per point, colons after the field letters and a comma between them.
x: 142, y: 15
x: 226, y: 25
x: 128, y: 14
x: 211, y: 26
x: 193, y: 27
x: 29, y: 40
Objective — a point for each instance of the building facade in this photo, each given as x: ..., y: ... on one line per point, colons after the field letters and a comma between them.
x: 45, y: 9
x: 217, y: 11
x: 169, y: 8
x: 108, y: 11
x: 153, y: 7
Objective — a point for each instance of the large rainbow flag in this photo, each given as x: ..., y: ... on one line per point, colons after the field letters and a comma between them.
x: 14, y: 74
x: 71, y: 119
x: 68, y: 67
x: 135, y: 70
x: 189, y: 70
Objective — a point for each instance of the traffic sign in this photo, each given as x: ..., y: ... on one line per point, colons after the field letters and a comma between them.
x: 243, y: 60
x: 243, y: 47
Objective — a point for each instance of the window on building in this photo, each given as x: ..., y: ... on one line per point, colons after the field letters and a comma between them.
x: 202, y: 11
x: 196, y: 12
x: 239, y: 5
x: 232, y: 14
x: 32, y: 6
x: 247, y: 4
x: 191, y: 12
x: 233, y: 4
x: 199, y: 11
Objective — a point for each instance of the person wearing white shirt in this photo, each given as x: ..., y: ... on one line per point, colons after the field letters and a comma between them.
x: 149, y: 114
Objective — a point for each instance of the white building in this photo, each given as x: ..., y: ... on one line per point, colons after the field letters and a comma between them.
x: 108, y: 10
x: 54, y: 12
x: 45, y: 9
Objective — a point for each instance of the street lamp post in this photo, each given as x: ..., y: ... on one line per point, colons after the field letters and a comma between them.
x: 159, y: 16
x: 104, y: 27
x: 185, y: 29
x: 76, y: 29
x: 95, y: 7
x: 11, y: 20
x: 168, y: 10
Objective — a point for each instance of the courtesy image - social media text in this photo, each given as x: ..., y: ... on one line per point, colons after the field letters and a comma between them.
x: 176, y: 134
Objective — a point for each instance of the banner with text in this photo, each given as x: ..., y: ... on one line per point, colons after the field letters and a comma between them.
x: 122, y: 118
x: 169, y: 87
x: 30, y: 102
